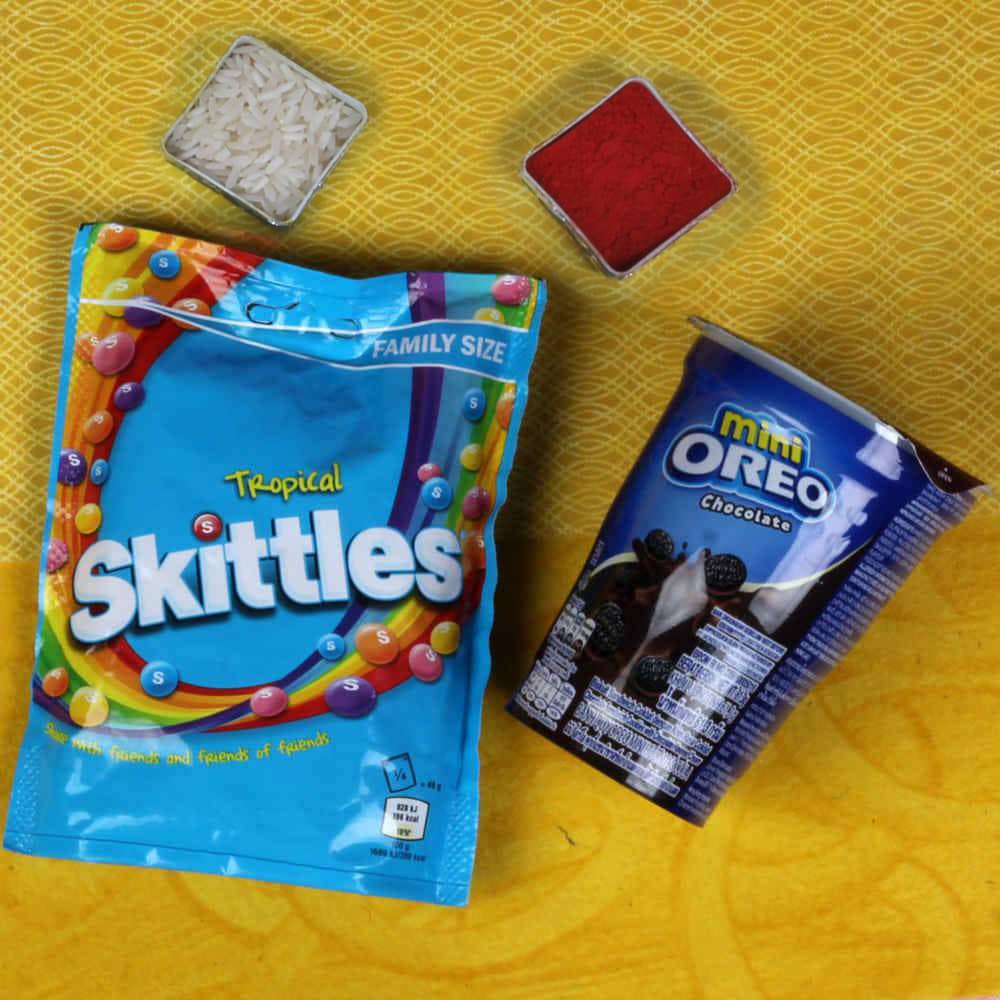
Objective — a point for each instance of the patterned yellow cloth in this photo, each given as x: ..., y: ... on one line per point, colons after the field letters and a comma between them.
x: 859, y: 858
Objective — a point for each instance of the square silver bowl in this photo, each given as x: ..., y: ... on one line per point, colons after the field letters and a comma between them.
x: 346, y: 99
x: 556, y: 209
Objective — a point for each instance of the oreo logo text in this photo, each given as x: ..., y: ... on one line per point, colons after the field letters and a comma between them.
x: 748, y: 454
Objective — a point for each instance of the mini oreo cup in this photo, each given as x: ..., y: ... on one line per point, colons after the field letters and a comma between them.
x: 791, y: 509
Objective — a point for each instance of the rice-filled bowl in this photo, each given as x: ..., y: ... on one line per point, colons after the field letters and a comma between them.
x: 264, y: 131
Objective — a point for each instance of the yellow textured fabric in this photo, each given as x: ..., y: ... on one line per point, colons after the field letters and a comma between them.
x: 859, y: 857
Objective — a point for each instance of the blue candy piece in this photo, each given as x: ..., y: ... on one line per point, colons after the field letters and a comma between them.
x: 99, y: 472
x: 474, y: 405
x: 331, y: 646
x: 165, y: 264
x: 159, y: 679
x: 436, y: 493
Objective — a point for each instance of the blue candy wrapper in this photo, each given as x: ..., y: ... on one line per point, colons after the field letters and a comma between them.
x: 266, y: 591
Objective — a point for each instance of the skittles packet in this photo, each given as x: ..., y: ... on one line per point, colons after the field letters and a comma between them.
x: 266, y: 593
x: 761, y: 530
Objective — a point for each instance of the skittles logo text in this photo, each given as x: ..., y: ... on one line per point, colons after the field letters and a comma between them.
x: 307, y: 568
x: 747, y: 454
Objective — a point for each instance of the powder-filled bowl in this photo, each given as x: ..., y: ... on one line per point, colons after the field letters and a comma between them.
x: 627, y: 177
x: 264, y: 131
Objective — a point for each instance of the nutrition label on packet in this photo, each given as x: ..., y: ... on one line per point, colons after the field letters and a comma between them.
x: 660, y: 746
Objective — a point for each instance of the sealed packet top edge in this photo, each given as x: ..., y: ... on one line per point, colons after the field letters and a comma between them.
x: 866, y: 418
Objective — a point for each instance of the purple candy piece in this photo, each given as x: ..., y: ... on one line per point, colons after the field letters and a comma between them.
x: 72, y: 467
x: 129, y: 395
x: 350, y: 697
x: 136, y: 315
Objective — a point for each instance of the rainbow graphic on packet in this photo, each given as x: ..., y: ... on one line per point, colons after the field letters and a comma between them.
x: 136, y: 286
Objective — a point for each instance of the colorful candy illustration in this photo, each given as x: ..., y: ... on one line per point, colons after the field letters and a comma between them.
x: 207, y: 526
x: 72, y: 467
x: 129, y: 395
x: 115, y: 237
x: 159, y: 679
x: 350, y: 697
x: 56, y: 682
x: 436, y: 493
x: 100, y: 471
x: 445, y: 637
x: 88, y: 519
x: 350, y: 666
x: 268, y: 702
x: 139, y: 313
x: 425, y: 663
x: 57, y: 555
x: 512, y: 289
x: 98, y: 426
x: 113, y: 353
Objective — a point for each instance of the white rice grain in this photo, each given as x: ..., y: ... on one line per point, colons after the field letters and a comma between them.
x: 263, y: 129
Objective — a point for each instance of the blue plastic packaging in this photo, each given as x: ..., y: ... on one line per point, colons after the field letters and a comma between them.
x: 760, y: 531
x: 227, y: 612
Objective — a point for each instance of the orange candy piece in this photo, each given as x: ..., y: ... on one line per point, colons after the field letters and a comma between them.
x: 376, y: 644
x: 115, y: 237
x: 474, y: 551
x: 194, y: 306
x: 85, y: 344
x: 56, y: 682
x: 505, y: 406
x: 98, y: 426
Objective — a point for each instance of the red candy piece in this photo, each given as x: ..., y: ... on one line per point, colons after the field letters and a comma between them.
x: 113, y: 354
x: 429, y: 470
x: 425, y: 664
x: 475, y: 504
x: 207, y: 526
x: 268, y: 701
x: 511, y: 289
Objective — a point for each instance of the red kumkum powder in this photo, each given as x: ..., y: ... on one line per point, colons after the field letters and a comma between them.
x: 628, y: 177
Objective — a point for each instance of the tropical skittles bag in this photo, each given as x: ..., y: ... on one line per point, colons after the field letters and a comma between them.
x: 266, y: 593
